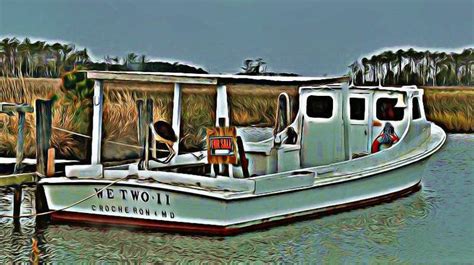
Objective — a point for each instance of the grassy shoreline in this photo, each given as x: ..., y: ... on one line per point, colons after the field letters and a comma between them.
x: 450, y: 107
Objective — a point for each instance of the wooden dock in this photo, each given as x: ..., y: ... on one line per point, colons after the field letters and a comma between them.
x: 18, y: 179
x: 44, y: 155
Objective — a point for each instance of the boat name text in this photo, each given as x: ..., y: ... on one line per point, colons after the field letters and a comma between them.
x: 131, y: 210
x: 134, y: 195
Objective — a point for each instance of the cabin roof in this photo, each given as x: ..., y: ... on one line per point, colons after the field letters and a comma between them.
x: 211, y: 79
x: 399, y: 88
x: 352, y: 87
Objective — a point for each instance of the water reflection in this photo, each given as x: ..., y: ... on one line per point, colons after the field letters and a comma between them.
x: 330, y: 238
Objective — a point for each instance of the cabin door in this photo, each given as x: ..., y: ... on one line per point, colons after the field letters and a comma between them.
x: 322, y: 140
x: 359, y: 124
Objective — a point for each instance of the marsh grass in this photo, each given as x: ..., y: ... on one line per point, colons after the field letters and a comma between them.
x: 451, y: 108
x: 249, y: 105
x: 27, y: 91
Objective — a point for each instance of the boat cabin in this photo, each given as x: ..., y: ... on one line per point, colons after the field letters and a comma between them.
x: 332, y: 122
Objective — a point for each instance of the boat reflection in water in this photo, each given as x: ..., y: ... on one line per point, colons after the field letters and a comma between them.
x: 331, y: 238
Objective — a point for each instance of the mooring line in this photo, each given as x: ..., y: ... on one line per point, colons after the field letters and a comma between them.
x: 107, y: 141
x: 71, y: 132
x: 67, y: 207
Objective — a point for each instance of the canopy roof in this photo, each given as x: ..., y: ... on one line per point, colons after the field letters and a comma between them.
x: 211, y: 79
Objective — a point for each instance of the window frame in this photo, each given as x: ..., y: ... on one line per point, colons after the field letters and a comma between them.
x: 366, y: 112
x: 420, y: 113
x: 334, y: 106
x: 377, y: 104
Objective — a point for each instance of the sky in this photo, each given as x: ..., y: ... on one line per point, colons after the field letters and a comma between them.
x: 305, y: 37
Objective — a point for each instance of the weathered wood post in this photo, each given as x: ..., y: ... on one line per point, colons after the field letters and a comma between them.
x: 142, y: 126
x: 43, y: 134
x: 145, y: 117
x: 10, y: 109
x: 50, y: 168
x: 140, y: 122
x: 148, y: 121
x: 21, y: 109
x: 20, y: 142
x: 17, y: 192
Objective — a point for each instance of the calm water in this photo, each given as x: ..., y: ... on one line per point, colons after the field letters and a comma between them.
x: 435, y: 224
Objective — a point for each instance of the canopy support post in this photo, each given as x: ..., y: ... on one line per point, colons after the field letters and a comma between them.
x: 222, y: 108
x: 222, y: 120
x: 176, y: 120
x: 97, y: 121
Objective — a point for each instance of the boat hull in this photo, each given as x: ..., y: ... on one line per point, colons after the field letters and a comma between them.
x: 135, y: 204
x: 95, y: 219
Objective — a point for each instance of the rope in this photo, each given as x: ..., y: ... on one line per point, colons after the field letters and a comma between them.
x: 67, y: 207
x: 71, y: 132
x: 123, y: 144
x: 117, y: 143
x: 89, y: 137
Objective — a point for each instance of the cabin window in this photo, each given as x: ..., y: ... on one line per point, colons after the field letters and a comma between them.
x: 319, y: 106
x: 416, y: 109
x: 357, y: 106
x: 387, y: 111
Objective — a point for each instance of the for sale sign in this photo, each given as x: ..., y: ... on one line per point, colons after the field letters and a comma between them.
x: 221, y: 145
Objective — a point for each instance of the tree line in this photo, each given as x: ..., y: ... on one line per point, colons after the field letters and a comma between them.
x: 259, y: 67
x: 402, y: 67
x: 42, y: 59
x: 412, y: 67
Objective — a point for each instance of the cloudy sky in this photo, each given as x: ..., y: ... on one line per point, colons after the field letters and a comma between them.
x: 306, y: 37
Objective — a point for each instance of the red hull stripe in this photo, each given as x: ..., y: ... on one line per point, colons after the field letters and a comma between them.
x: 214, y: 229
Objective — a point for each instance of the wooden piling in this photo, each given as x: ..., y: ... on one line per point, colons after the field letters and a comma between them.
x: 43, y: 133
x: 10, y: 109
x: 149, y: 120
x: 141, y: 126
x: 145, y: 118
x: 50, y: 169
x: 19, y: 143
x: 41, y: 206
x: 17, y: 194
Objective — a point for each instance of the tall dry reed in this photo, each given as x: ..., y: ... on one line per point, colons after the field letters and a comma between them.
x: 249, y: 105
x: 453, y: 109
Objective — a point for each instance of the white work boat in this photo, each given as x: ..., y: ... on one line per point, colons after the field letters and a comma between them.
x: 347, y: 147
